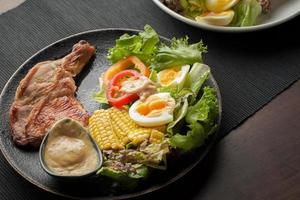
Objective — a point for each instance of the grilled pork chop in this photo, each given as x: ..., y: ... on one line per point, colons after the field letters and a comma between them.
x: 46, y: 94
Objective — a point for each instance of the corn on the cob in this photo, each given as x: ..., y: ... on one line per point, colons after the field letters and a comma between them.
x: 113, y: 129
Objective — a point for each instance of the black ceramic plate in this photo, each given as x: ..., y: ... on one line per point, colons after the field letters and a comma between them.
x: 26, y: 163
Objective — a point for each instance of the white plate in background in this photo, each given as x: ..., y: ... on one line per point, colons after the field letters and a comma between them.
x: 281, y: 11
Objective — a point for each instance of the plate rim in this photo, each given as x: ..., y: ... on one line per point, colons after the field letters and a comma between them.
x: 122, y: 196
x: 221, y: 28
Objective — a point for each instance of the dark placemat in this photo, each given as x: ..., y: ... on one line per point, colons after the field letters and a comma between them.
x: 250, y: 68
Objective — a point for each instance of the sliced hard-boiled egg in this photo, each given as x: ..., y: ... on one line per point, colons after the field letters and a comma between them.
x: 156, y: 110
x: 173, y: 76
x: 220, y: 5
x: 218, y: 19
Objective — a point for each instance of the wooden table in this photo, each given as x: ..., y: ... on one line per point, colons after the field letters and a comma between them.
x: 258, y: 160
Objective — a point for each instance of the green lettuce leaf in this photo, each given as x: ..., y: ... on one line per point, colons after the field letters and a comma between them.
x: 124, y: 179
x: 195, y: 79
x: 173, y: 90
x: 100, y: 97
x: 197, y: 76
x: 205, y: 110
x: 193, y: 139
x: 153, y: 76
x: 142, y: 45
x: 178, y: 54
x: 192, y: 8
x: 201, y: 119
x: 142, y: 172
x: 155, y: 155
x: 180, y: 111
x: 246, y: 13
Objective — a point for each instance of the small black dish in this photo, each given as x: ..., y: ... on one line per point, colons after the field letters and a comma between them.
x: 69, y: 177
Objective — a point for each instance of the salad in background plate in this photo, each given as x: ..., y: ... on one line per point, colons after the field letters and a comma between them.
x: 236, y: 13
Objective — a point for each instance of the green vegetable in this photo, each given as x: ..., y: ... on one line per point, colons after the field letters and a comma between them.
x: 246, y: 13
x: 197, y: 76
x: 193, y: 139
x: 184, y: 4
x: 180, y: 112
x: 205, y: 110
x: 141, y: 171
x: 125, y: 179
x: 192, y: 8
x: 178, y: 54
x: 195, y: 79
x: 173, y: 90
x: 100, y: 96
x: 155, y: 155
x: 142, y: 45
x: 153, y: 76
x: 201, y: 119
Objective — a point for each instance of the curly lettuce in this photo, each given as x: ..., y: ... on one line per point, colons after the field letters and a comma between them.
x: 180, y: 53
x: 142, y: 45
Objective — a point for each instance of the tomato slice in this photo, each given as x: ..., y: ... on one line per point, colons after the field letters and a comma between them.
x: 114, y: 86
x: 123, y: 64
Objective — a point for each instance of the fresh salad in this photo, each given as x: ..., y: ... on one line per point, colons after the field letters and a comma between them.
x: 237, y: 13
x: 153, y: 103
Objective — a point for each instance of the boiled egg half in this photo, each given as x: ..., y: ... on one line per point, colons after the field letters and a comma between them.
x: 173, y: 76
x: 219, y: 19
x: 156, y: 110
x: 219, y: 5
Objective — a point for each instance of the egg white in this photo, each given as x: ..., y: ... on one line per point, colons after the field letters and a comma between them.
x: 165, y: 117
x: 218, y: 19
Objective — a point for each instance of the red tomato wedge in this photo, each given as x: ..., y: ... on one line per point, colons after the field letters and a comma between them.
x: 113, y: 94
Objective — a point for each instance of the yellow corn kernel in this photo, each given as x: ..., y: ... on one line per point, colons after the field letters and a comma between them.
x: 161, y: 128
x: 156, y: 136
x: 113, y: 129
x: 101, y: 129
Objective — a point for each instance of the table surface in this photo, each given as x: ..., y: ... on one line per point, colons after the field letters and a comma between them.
x: 258, y: 160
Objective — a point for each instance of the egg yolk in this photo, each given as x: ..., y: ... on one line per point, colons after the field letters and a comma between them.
x: 152, y: 104
x: 168, y: 75
x: 218, y: 6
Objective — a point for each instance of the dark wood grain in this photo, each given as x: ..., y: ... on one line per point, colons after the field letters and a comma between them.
x: 261, y: 159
